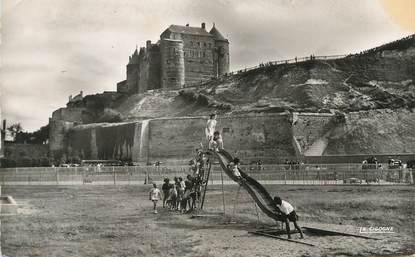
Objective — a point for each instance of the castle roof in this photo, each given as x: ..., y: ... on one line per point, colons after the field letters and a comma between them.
x: 188, y: 30
x: 216, y: 34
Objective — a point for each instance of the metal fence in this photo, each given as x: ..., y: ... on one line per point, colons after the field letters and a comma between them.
x: 319, y: 174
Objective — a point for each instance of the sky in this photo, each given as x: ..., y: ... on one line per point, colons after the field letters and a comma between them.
x: 51, y: 49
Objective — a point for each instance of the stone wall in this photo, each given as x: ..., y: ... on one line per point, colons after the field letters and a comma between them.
x: 72, y: 114
x: 198, y: 58
x: 122, y: 87
x: 61, y: 122
x: 104, y: 141
x: 268, y: 137
x: 257, y: 136
x: 25, y: 155
x: 1, y: 136
x: 115, y: 142
x: 80, y: 143
x: 173, y: 140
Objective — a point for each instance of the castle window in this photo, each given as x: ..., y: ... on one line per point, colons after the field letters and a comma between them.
x: 204, y: 44
x: 198, y: 44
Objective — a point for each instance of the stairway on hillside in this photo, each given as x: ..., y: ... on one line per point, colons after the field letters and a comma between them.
x: 318, y: 147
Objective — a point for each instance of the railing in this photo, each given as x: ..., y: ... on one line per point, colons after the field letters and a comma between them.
x: 290, y: 61
x: 268, y: 64
x: 276, y: 174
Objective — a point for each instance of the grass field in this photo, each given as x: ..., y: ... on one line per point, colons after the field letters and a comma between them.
x: 117, y: 221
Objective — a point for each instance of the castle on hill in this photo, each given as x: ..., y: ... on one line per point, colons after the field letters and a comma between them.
x: 183, y: 56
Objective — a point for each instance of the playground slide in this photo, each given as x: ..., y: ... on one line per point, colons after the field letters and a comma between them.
x: 254, y: 188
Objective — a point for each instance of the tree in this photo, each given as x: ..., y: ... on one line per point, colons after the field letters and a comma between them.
x: 15, y: 129
x: 40, y: 136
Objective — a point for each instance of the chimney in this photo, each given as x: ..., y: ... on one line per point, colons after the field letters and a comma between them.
x: 81, y: 93
x: 203, y: 25
x: 187, y: 24
x: 148, y: 44
x: 4, y: 125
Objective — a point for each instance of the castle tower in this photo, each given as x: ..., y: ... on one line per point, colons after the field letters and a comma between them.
x: 133, y: 72
x: 172, y: 63
x: 221, y: 54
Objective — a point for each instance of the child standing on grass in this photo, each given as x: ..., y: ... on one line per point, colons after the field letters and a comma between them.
x: 155, y: 195
x: 165, y: 188
x: 172, y: 200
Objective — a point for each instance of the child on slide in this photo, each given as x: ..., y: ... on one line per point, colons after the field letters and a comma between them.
x: 233, y: 166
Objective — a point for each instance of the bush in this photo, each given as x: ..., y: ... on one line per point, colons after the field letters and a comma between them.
x: 110, y: 115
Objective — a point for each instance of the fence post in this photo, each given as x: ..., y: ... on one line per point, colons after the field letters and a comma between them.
x: 285, y: 177
x: 57, y: 175
x: 223, y: 193
x: 113, y: 171
x: 84, y: 176
x: 129, y: 175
